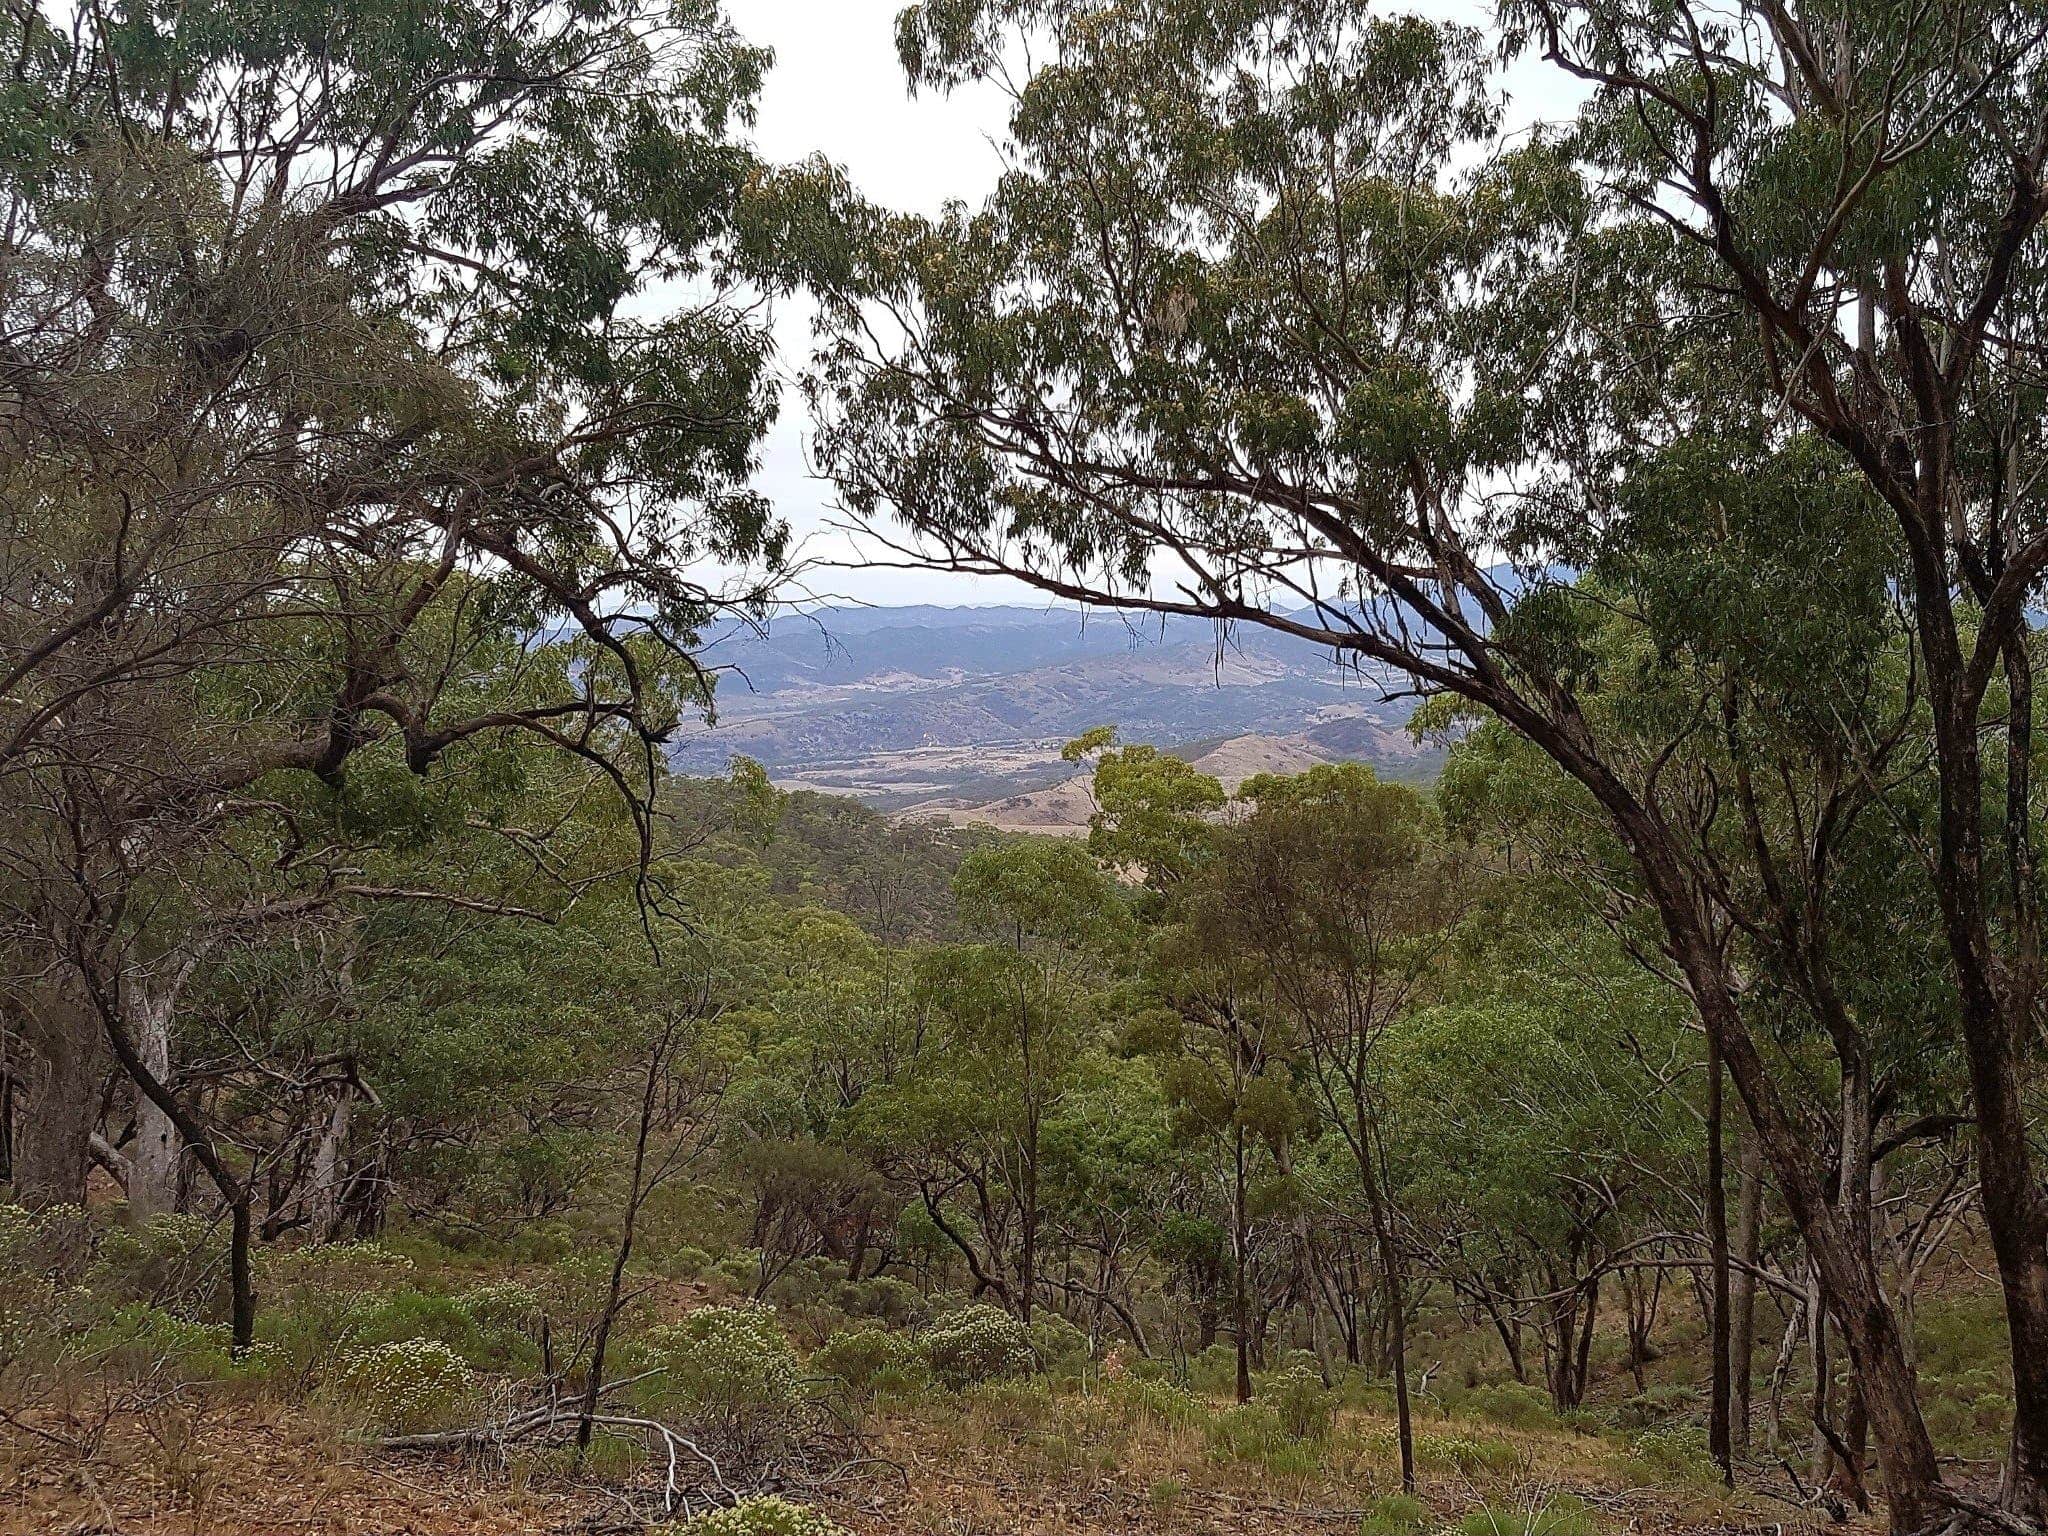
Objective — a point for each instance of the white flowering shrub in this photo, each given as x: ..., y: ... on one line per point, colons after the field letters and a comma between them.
x: 768, y: 1515
x: 735, y: 1369
x: 37, y: 1306
x: 397, y: 1388
x: 170, y: 1258
x: 506, y: 1305
x: 977, y: 1343
x: 1306, y: 1407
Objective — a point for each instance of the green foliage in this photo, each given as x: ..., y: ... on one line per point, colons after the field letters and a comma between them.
x: 975, y: 1344
x: 491, y: 1328
x: 140, y: 1340
x: 1158, y: 1401
x: 1560, y: 1515
x: 1672, y: 1452
x: 1055, y: 1343
x: 1467, y: 1454
x: 404, y: 1386
x: 766, y: 1515
x: 1511, y: 1403
x: 1305, y: 1406
x: 858, y: 1356
x: 168, y: 1258
x: 735, y: 1369
x: 1396, y: 1514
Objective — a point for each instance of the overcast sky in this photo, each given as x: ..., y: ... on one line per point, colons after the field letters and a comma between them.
x: 837, y: 89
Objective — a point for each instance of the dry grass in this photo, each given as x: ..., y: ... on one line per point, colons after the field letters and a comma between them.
x: 991, y: 1463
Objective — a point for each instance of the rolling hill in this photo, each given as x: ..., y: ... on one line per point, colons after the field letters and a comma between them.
x: 961, y: 712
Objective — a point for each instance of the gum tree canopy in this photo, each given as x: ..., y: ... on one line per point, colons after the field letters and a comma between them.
x: 371, y: 381
x: 1269, y: 322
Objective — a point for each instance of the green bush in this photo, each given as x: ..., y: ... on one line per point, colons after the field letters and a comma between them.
x: 769, y: 1515
x: 978, y: 1343
x: 1247, y: 1432
x: 141, y: 1339
x: 1395, y: 1514
x: 403, y: 1387
x: 856, y: 1356
x: 1305, y: 1406
x: 490, y: 1329
x: 884, y: 1298
x: 338, y: 1271
x: 1658, y: 1404
x: 1011, y: 1404
x: 169, y: 1259
x: 1675, y: 1452
x: 39, y: 1254
x: 1467, y: 1455
x: 1157, y: 1401
x: 1214, y: 1369
x: 1055, y: 1342
x: 735, y: 1368
x: 1510, y: 1403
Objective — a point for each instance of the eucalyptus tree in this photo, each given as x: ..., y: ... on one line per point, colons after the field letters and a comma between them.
x: 1269, y: 323
x: 338, y: 407
x: 1340, y: 884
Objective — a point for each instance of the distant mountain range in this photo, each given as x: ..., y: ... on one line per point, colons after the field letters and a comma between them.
x: 961, y: 712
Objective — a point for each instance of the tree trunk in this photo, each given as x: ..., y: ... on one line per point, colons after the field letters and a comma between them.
x: 323, y: 1200
x: 1748, y: 1242
x: 1719, y: 1442
x: 154, y: 1159
x: 1240, y: 1318
x: 241, y: 1277
x: 53, y: 1137
x: 1396, y: 1293
x: 1905, y: 1451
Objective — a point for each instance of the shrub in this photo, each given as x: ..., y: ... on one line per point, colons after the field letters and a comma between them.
x: 1467, y: 1455
x: 1011, y: 1404
x: 1159, y: 1402
x: 169, y: 1258
x: 857, y: 1356
x: 140, y: 1338
x: 736, y: 1369
x: 1655, y: 1406
x: 1055, y: 1342
x: 1214, y: 1369
x: 769, y: 1515
x: 1305, y: 1406
x: 688, y: 1263
x: 1510, y: 1403
x: 38, y: 1309
x: 343, y: 1271
x: 1395, y: 1514
x: 884, y: 1298
x: 1675, y: 1451
x: 977, y: 1343
x: 738, y: 1270
x: 486, y: 1328
x: 405, y: 1386
x: 1247, y: 1432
